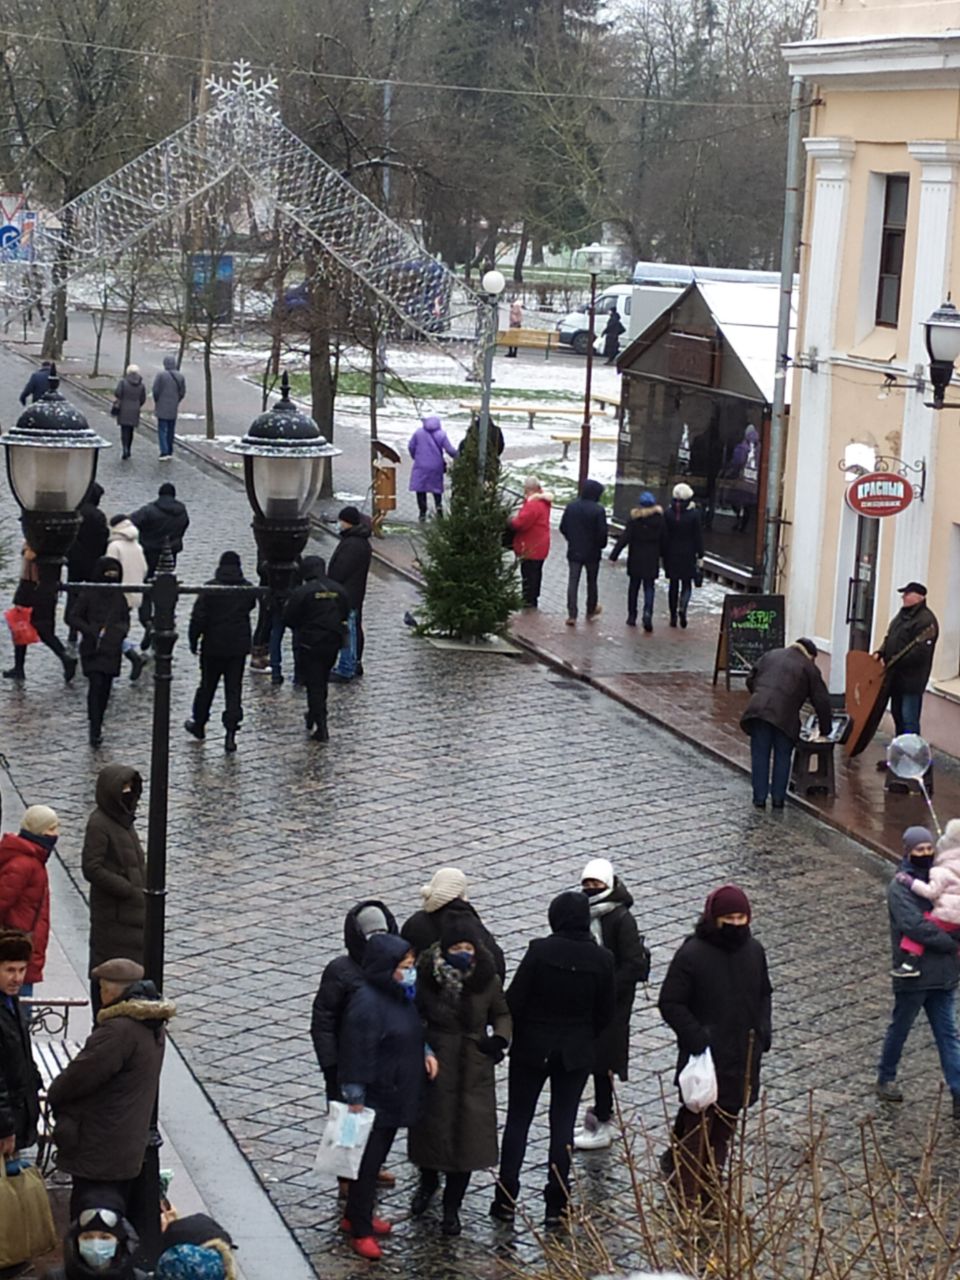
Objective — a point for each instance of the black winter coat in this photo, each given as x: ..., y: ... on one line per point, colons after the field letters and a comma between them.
x: 90, y: 543
x: 644, y: 536
x: 113, y: 863
x: 718, y: 998
x: 781, y: 682
x: 911, y: 672
x: 350, y: 563
x: 19, y: 1078
x: 220, y: 622
x: 103, y: 620
x: 424, y: 928
x: 457, y: 1131
x: 562, y: 996
x: 381, y: 1039
x: 316, y: 613
x: 584, y: 525
x: 683, y: 541
x: 611, y: 335
x: 163, y: 518
x: 940, y: 963
x: 631, y: 964
x: 338, y: 982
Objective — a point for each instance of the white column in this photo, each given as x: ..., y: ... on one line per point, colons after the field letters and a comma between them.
x: 810, y: 427
x: 935, y: 229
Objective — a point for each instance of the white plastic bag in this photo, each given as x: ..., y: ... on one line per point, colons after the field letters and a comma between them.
x: 344, y: 1141
x: 698, y: 1082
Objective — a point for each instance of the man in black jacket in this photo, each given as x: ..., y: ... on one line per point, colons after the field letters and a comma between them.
x: 349, y: 565
x: 19, y: 1078
x: 907, y: 650
x: 220, y: 628
x: 90, y: 543
x: 164, y: 519
x: 584, y: 525
x: 561, y: 999
x: 781, y: 682
x: 317, y: 613
x: 38, y: 384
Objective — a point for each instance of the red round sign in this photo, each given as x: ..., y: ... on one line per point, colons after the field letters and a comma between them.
x: 879, y: 493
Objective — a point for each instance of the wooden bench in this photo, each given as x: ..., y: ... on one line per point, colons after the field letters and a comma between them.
x: 532, y: 411
x: 568, y: 438
x: 536, y: 339
x: 604, y: 402
x: 53, y: 1050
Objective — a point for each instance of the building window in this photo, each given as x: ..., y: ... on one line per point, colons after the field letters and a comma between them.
x: 892, y: 237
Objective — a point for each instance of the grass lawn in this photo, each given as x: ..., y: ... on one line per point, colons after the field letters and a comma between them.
x: 353, y: 382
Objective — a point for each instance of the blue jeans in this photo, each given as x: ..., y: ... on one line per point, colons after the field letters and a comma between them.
x: 938, y: 1005
x: 649, y: 595
x: 165, y: 429
x: 905, y: 709
x: 766, y: 741
x: 346, y: 666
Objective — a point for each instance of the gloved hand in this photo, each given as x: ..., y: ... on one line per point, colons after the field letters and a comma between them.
x: 494, y: 1047
x: 904, y: 877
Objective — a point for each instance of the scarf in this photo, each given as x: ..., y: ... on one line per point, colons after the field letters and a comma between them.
x: 600, y: 907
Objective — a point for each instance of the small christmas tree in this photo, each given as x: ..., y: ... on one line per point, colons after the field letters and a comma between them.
x: 471, y: 585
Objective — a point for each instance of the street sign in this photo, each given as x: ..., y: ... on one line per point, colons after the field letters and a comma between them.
x: 879, y: 493
x: 749, y: 627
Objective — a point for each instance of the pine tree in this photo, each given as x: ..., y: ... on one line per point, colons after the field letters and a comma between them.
x: 471, y: 585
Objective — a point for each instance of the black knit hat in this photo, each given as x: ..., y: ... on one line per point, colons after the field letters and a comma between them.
x: 15, y: 947
x: 350, y: 515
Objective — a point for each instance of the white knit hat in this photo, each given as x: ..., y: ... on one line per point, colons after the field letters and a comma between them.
x: 682, y: 492
x: 599, y: 869
x: 38, y: 819
x: 447, y: 883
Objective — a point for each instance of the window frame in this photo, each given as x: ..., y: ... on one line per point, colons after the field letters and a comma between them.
x: 893, y: 237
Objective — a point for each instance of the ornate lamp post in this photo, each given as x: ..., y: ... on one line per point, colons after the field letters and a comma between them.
x: 492, y: 284
x: 593, y: 261
x: 942, y: 331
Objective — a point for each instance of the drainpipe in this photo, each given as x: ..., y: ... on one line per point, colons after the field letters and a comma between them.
x: 788, y: 258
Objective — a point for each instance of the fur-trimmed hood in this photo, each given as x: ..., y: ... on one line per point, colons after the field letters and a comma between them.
x: 543, y: 494
x: 643, y: 513
x: 141, y: 1003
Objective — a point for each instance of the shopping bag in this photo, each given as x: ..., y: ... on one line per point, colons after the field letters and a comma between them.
x: 26, y: 1223
x: 347, y: 662
x: 20, y: 621
x: 698, y: 1082
x: 344, y: 1141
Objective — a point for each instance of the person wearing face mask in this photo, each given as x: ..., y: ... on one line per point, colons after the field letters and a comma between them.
x: 24, y: 885
x: 113, y: 862
x: 932, y: 989
x: 100, y: 1242
x: 103, y: 620
x: 383, y: 1064
x: 612, y: 927
x: 716, y: 996
x: 468, y: 1026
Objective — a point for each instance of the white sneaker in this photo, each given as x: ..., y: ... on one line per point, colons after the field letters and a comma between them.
x: 594, y: 1139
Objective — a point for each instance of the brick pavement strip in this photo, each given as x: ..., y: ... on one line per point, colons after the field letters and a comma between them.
x: 497, y: 764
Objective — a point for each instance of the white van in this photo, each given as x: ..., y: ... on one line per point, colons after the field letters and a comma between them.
x: 639, y: 306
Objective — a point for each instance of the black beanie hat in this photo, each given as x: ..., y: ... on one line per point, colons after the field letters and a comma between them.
x: 351, y: 515
x: 167, y: 490
x: 230, y: 558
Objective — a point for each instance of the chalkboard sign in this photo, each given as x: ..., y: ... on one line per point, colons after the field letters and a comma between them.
x: 749, y: 628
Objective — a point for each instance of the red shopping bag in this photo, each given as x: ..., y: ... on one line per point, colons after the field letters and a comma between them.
x: 19, y: 620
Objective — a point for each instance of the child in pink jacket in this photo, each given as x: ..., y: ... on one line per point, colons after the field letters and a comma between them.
x: 942, y: 891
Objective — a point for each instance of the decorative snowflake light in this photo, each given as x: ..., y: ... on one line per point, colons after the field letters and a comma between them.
x: 242, y: 91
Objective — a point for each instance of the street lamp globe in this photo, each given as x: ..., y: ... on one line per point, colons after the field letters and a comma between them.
x: 942, y: 333
x: 493, y: 283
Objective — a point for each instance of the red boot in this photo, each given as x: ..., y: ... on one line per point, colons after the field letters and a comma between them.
x: 367, y: 1248
x: 380, y: 1226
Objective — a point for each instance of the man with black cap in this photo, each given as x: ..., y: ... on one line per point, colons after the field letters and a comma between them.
x: 19, y: 1078
x: 933, y: 986
x: 907, y: 653
x: 349, y: 565
x: 317, y: 613
x: 220, y: 628
x: 781, y: 682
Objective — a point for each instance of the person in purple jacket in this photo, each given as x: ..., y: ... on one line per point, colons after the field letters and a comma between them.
x: 427, y: 446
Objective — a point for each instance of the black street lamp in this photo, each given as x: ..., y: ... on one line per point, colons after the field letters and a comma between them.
x: 942, y: 333
x: 593, y: 261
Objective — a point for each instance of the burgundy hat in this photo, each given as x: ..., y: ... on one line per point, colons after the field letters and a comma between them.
x: 728, y: 900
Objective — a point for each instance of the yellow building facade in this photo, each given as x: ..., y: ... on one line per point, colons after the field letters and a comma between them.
x: 880, y: 251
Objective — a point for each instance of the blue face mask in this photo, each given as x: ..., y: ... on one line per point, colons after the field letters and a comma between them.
x: 409, y: 983
x: 459, y: 960
x: 97, y: 1254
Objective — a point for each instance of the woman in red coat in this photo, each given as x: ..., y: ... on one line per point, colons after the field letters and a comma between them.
x: 531, y: 538
x: 24, y: 887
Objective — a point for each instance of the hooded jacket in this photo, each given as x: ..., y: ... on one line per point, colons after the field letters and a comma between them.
x: 103, y: 1100
x: 645, y: 537
x: 169, y: 388
x: 424, y: 928
x: 350, y: 563
x: 683, y: 543
x: 25, y: 894
x: 610, y: 917
x: 19, y: 1079
x: 164, y: 517
x: 910, y: 673
x: 584, y: 525
x: 92, y: 537
x: 38, y: 384
x: 781, y: 682
x: 427, y: 446
x: 531, y: 527
x: 562, y: 995
x: 112, y: 861
x: 318, y: 609
x: 220, y: 622
x: 940, y: 963
x: 124, y: 545
x: 381, y: 1050
x: 338, y: 982
x: 103, y: 620
x: 130, y: 393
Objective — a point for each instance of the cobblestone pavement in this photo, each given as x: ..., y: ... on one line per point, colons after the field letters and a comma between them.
x: 499, y: 765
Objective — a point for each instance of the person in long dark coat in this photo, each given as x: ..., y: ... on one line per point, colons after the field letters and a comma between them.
x: 683, y: 551
x: 220, y: 629
x: 350, y: 566
x: 561, y: 1000
x: 584, y: 525
x: 19, y: 1078
x: 444, y: 896
x: 383, y: 1065
x: 128, y: 398
x: 644, y: 536
x: 611, y: 336
x: 90, y: 543
x: 614, y: 927
x: 459, y: 996
x: 716, y: 996
x: 103, y: 619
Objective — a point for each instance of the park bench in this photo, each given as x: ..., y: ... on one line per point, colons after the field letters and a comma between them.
x: 604, y: 401
x: 543, y: 340
x: 567, y: 438
x: 53, y: 1050
x: 532, y: 411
